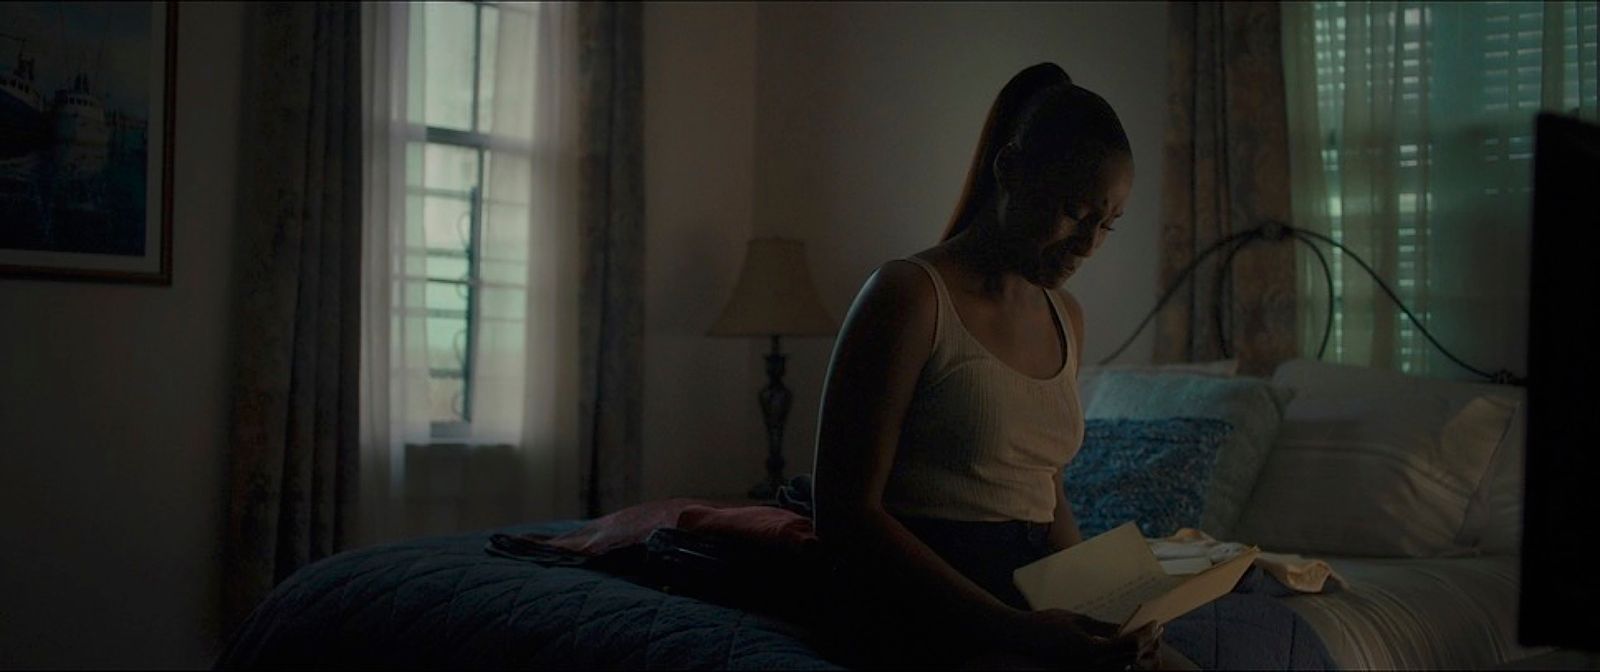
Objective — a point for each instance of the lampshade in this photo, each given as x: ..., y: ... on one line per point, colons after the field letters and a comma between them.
x: 775, y: 296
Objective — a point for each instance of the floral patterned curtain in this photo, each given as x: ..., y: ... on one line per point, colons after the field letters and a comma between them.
x: 1227, y: 171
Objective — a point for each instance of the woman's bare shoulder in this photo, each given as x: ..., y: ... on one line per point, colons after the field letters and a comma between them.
x: 898, y: 302
x: 900, y: 284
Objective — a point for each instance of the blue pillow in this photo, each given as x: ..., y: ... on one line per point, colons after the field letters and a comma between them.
x: 1154, y: 472
x: 1254, y: 407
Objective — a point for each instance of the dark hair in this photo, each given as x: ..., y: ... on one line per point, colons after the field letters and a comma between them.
x: 1049, y: 118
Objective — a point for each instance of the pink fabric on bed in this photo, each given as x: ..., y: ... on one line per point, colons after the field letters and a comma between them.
x: 628, y: 526
x: 767, y: 526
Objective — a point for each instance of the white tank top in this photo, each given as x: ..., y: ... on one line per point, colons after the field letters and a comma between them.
x: 982, y: 441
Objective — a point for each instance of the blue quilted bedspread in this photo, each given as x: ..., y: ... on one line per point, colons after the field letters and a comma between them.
x: 1249, y: 629
x: 443, y: 602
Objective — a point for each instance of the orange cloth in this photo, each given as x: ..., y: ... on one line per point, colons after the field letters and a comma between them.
x: 1300, y: 574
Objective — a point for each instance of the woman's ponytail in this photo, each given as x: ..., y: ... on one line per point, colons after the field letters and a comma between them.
x: 999, y: 128
x: 1054, y: 123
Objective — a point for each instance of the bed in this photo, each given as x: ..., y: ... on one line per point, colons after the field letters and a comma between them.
x: 442, y: 602
x: 1429, y: 570
x: 1416, y: 503
x: 1428, y: 613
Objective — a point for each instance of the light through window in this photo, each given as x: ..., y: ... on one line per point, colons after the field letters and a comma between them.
x: 450, y: 96
x: 1437, y: 77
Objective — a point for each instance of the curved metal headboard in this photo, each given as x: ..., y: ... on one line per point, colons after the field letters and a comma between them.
x: 1275, y: 231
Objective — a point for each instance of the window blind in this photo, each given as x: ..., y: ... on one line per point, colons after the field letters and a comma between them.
x: 1440, y: 99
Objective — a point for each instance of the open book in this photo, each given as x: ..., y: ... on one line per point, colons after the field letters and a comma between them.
x: 1115, y: 578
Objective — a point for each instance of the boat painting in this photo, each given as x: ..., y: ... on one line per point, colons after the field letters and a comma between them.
x: 85, y: 139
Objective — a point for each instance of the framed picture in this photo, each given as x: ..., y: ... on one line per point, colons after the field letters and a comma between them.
x: 86, y: 140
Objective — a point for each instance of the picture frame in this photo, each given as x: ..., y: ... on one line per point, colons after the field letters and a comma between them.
x: 86, y: 140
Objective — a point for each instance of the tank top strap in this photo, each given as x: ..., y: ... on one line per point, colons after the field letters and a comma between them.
x: 1065, y: 325
x: 945, y: 306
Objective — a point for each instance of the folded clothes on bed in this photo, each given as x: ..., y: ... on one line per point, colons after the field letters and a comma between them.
x: 612, y: 543
x: 1296, y: 573
x: 724, y: 554
x: 766, y: 526
x: 628, y: 526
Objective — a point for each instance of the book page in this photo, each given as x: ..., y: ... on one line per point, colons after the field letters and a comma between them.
x: 1191, y: 592
x: 1119, y: 603
x: 1106, y: 577
x: 1115, y: 578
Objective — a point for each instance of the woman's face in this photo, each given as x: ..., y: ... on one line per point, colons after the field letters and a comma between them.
x: 1064, y: 221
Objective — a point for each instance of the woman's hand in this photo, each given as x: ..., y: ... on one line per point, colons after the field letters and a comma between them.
x: 1060, y: 637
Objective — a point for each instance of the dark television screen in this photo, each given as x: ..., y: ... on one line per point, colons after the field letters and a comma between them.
x: 1560, y: 602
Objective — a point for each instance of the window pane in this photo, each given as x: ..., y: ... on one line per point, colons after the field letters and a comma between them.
x: 508, y: 103
x: 486, y: 67
x: 443, y: 47
x: 443, y: 266
x: 445, y: 400
x: 447, y: 298
x: 447, y: 222
x: 450, y: 173
x: 450, y: 168
x: 447, y: 345
x: 505, y: 233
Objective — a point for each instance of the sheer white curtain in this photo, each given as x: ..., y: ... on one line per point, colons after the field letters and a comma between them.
x: 515, y: 459
x: 1411, y: 129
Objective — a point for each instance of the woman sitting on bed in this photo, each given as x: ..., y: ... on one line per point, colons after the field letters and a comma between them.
x: 951, y: 403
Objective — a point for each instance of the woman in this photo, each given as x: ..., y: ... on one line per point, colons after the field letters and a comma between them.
x: 951, y: 407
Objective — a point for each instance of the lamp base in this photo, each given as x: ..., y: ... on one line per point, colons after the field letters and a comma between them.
x: 775, y: 400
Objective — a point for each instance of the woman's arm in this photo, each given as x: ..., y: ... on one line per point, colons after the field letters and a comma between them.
x: 883, y: 344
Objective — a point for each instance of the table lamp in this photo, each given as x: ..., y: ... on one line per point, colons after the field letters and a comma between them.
x: 774, y: 298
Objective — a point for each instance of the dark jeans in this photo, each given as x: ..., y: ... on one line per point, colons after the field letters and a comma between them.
x: 886, y: 623
x: 987, y: 553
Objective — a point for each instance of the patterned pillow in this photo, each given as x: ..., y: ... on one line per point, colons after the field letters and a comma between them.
x: 1153, y: 472
x: 1252, y: 406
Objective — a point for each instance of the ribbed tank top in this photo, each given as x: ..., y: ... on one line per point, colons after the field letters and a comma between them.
x: 982, y: 441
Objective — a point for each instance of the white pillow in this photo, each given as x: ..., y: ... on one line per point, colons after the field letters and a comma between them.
x: 1375, y: 463
x: 1494, y: 517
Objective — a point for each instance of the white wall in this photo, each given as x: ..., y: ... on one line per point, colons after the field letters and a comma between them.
x: 702, y: 432
x: 867, y: 115
x: 113, y: 407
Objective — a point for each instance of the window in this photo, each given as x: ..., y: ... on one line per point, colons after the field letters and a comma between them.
x: 470, y: 321
x: 450, y: 96
x: 1441, y: 99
